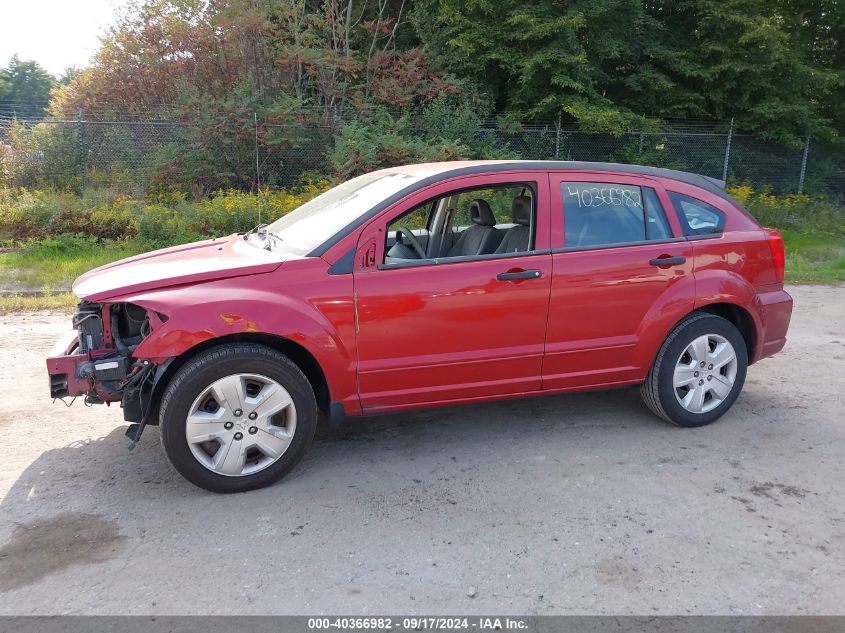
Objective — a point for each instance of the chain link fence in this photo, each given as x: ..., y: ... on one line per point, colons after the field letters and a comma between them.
x: 139, y: 156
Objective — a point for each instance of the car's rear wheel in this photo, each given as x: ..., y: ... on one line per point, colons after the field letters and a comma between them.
x: 237, y: 417
x: 698, y: 372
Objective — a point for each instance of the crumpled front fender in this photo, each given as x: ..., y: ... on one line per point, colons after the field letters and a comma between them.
x: 196, y: 314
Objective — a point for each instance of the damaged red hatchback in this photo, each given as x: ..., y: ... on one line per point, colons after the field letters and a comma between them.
x: 429, y: 285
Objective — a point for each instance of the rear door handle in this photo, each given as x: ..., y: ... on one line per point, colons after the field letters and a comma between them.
x: 519, y: 274
x: 667, y: 261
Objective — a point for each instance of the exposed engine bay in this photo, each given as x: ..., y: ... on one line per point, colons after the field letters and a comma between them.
x: 100, y: 365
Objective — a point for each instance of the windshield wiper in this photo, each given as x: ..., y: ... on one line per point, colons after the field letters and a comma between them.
x: 257, y: 227
x: 262, y: 232
x: 271, y: 235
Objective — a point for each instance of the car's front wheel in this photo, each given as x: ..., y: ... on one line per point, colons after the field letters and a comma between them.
x: 698, y: 372
x: 237, y: 417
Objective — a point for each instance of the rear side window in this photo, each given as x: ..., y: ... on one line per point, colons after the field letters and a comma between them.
x: 601, y: 214
x: 697, y: 217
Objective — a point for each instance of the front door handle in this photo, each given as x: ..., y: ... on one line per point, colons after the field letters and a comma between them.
x: 667, y: 261
x: 512, y: 275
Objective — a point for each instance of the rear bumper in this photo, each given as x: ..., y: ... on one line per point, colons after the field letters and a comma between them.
x: 63, y: 368
x: 775, y: 310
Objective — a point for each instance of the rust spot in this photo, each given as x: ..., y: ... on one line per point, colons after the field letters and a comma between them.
x: 230, y: 319
x: 239, y: 322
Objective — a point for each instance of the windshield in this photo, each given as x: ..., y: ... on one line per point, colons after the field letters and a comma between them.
x: 316, y: 221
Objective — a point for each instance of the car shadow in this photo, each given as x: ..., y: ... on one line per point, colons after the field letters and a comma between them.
x: 597, y: 408
x: 81, y: 474
x: 89, y: 501
x: 107, y: 465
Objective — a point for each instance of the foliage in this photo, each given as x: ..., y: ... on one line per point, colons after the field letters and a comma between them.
x: 544, y: 58
x: 382, y: 141
x: 607, y: 64
x: 58, y: 236
x: 358, y: 84
x: 243, y: 70
x: 334, y: 55
x: 54, y: 262
x: 25, y: 82
x: 740, y: 56
x: 446, y: 128
x: 795, y: 212
x: 45, y: 155
x: 168, y: 218
x: 813, y: 257
x: 813, y: 230
x: 776, y: 66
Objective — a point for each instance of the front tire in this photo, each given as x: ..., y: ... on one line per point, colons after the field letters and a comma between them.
x: 237, y: 417
x: 698, y: 372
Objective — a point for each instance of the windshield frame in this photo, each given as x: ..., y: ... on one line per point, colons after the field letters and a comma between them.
x: 406, y: 181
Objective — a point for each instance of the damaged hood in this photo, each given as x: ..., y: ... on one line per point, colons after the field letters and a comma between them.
x: 190, y: 263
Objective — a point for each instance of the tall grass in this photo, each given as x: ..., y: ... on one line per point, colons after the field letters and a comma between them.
x: 795, y: 212
x: 63, y: 302
x: 52, y: 237
x: 163, y: 219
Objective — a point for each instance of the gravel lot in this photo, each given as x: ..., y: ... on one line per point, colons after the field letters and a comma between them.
x: 580, y: 504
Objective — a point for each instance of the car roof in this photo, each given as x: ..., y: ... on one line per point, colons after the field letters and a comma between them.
x: 446, y: 169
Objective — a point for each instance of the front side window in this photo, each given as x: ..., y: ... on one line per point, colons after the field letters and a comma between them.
x: 602, y: 214
x: 408, y: 236
x: 697, y: 217
x: 482, y: 221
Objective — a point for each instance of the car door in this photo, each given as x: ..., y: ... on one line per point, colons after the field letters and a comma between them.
x: 622, y: 272
x: 451, y: 329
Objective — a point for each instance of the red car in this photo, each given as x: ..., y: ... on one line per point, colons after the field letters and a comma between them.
x: 430, y: 285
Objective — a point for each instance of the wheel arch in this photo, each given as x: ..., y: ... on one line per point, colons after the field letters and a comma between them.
x: 740, y: 318
x: 300, y: 356
x: 655, y: 331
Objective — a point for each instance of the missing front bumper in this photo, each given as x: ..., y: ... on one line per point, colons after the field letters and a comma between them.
x: 62, y: 368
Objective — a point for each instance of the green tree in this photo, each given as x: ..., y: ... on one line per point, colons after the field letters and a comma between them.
x: 737, y: 58
x: 818, y: 28
x: 380, y: 140
x: 68, y: 74
x: 25, y: 82
x: 546, y: 58
x: 610, y: 65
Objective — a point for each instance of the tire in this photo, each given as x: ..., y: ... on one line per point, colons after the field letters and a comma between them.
x: 708, y: 393
x: 269, y: 427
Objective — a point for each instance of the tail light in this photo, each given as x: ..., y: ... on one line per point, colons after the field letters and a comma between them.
x: 778, y: 254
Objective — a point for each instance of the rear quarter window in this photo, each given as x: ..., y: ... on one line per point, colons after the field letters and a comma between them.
x: 697, y: 217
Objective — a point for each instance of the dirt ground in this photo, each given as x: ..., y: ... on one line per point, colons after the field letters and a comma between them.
x: 579, y: 504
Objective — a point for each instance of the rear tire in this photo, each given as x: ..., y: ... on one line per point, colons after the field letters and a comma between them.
x: 237, y: 417
x: 698, y: 373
